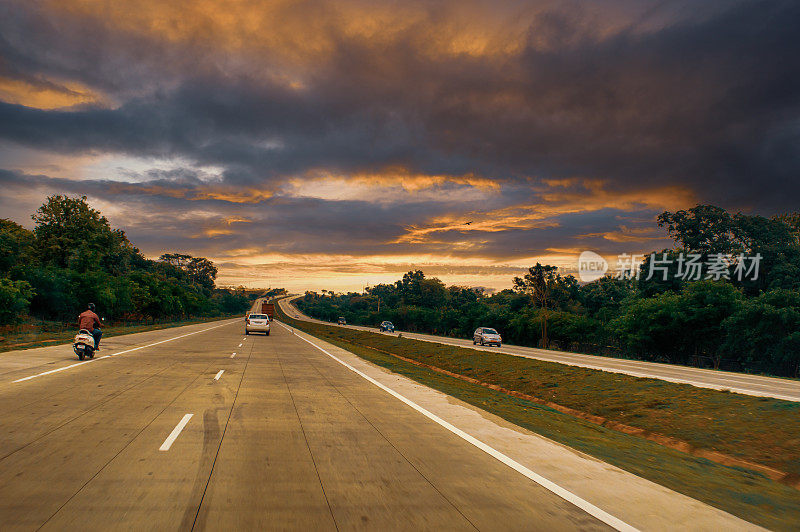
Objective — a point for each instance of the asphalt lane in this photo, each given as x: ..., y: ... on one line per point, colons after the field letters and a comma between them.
x: 786, y: 389
x: 285, y: 438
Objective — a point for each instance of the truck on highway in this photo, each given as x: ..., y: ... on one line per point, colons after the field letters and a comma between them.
x: 268, y: 309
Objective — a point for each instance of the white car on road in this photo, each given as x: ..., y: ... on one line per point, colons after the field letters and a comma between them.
x: 256, y: 323
x: 486, y: 336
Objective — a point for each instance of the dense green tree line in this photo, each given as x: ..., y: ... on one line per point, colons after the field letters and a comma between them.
x: 747, y: 324
x: 73, y: 256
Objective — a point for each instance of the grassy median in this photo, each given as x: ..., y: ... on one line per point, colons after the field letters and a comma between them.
x: 690, y: 421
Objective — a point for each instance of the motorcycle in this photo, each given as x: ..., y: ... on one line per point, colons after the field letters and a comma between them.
x: 83, y: 345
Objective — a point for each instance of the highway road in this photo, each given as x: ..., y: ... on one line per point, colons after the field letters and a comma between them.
x: 284, y: 436
x: 201, y: 427
x: 787, y: 389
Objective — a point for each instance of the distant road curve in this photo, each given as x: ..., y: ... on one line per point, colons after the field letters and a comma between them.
x: 778, y: 388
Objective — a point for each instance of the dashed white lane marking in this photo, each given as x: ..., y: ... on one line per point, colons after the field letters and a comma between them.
x: 240, y: 345
x: 565, y: 494
x: 233, y: 355
x: 115, y: 354
x: 175, y: 432
x: 219, y: 374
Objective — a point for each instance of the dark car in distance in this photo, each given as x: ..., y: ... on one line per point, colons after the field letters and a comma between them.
x: 386, y: 326
x: 342, y: 321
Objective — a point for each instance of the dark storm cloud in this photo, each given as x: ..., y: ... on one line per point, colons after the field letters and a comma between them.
x: 170, y: 216
x: 713, y: 104
x: 556, y: 131
x: 163, y: 214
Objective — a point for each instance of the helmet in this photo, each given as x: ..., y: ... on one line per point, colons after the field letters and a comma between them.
x: 91, y: 307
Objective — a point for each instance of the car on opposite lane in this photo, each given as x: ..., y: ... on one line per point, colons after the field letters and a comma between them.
x: 386, y: 326
x: 486, y: 336
x: 342, y: 321
x: 257, y: 323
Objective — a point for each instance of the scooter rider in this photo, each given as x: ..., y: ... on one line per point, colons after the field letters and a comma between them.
x: 91, y: 322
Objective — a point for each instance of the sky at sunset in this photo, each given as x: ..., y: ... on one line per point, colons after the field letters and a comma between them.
x: 310, y: 144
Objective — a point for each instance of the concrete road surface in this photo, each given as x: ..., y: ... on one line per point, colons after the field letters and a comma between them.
x: 202, y: 427
x: 787, y: 389
x: 284, y: 437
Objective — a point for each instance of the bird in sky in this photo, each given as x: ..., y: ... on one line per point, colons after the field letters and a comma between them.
x: 468, y: 223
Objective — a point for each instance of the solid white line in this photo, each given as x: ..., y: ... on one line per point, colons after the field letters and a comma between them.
x: 584, y: 505
x: 175, y: 432
x: 115, y: 354
x: 58, y: 369
x: 233, y: 355
x: 219, y: 374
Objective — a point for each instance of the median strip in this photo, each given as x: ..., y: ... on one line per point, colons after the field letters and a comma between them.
x: 667, y: 441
